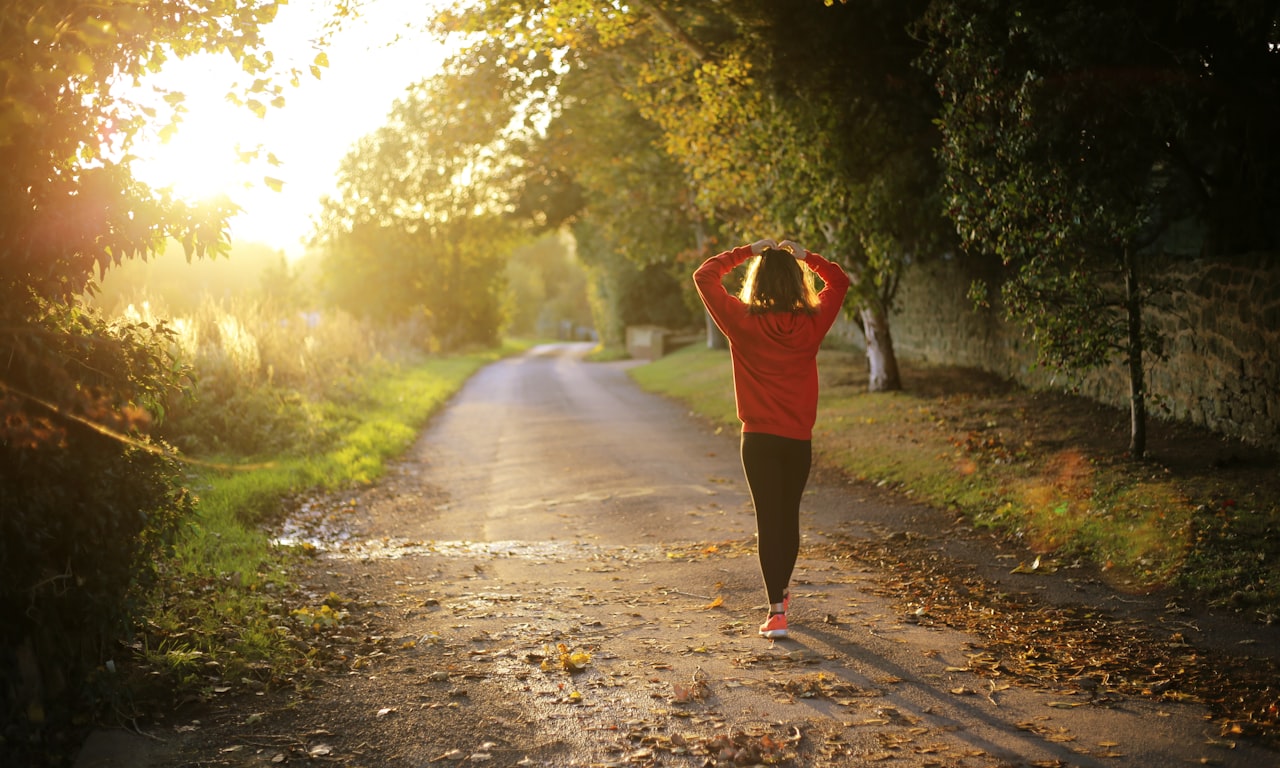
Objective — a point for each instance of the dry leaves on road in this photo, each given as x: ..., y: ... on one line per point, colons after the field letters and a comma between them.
x: 1073, y: 650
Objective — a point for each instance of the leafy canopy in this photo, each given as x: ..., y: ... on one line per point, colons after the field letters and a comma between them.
x: 1075, y: 133
x: 421, y: 224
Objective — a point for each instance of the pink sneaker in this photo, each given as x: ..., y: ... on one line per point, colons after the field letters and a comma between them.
x: 775, y: 627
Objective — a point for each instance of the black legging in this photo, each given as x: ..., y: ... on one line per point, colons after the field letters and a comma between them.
x: 777, y: 469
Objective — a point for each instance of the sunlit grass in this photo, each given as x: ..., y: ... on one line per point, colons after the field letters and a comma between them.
x: 696, y: 375
x: 604, y: 354
x: 379, y: 425
x: 225, y: 581
x: 1143, y: 527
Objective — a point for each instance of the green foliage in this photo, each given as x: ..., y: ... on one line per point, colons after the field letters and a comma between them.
x: 597, y: 167
x: 624, y: 293
x: 808, y: 121
x: 1077, y: 134
x: 1070, y: 125
x: 1050, y: 156
x: 82, y: 510
x: 77, y: 539
x: 419, y: 227
x: 601, y: 263
x: 546, y: 289
x: 635, y: 195
x: 69, y: 365
x: 263, y: 374
x: 749, y: 117
x: 86, y: 497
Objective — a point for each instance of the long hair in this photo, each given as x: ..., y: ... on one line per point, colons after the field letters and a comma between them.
x: 776, y: 282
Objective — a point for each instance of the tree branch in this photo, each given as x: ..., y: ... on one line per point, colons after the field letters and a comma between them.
x: 668, y: 25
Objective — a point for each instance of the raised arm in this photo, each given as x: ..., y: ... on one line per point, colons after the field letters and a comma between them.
x: 708, y: 279
x: 835, y: 282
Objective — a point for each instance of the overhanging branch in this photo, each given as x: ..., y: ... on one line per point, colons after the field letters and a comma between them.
x: 668, y: 25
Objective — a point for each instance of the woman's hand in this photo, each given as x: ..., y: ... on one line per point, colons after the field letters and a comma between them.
x: 796, y: 249
x: 759, y: 246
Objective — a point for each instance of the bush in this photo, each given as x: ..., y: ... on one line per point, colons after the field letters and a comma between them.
x: 90, y: 506
x: 262, y: 374
x: 86, y: 500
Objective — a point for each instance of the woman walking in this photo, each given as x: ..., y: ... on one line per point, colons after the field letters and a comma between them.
x: 774, y: 326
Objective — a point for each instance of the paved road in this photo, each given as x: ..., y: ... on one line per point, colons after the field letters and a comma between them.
x: 544, y: 445
x: 553, y: 502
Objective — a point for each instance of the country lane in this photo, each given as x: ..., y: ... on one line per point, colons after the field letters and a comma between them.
x: 562, y: 572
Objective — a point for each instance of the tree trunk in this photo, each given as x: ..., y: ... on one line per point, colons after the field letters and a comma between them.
x: 880, y: 355
x: 715, y: 339
x: 1137, y: 374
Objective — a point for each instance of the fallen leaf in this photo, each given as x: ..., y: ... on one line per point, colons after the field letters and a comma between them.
x: 453, y: 754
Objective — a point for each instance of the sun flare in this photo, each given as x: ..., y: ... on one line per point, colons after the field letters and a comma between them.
x: 196, y: 166
x: 277, y: 165
x: 209, y: 153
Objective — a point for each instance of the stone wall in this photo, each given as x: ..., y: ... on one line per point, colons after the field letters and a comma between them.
x: 1221, y: 326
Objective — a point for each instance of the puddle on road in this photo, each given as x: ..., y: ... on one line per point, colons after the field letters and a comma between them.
x: 323, y: 527
x: 546, y: 551
x: 318, y: 524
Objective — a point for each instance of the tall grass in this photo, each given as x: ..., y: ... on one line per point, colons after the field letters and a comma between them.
x: 264, y: 377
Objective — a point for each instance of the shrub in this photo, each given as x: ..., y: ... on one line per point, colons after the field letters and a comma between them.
x: 86, y: 500
x: 261, y: 375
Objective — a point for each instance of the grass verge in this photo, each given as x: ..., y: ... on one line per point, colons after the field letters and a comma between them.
x: 1201, y: 513
x: 226, y: 614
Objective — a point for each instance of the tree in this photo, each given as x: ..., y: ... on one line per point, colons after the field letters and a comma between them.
x: 637, y: 230
x: 70, y: 208
x: 839, y: 146
x: 778, y: 121
x: 593, y: 166
x: 547, y: 289
x: 86, y: 497
x: 1077, y: 134
x: 421, y: 226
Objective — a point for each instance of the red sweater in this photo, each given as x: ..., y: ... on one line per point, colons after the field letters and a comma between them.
x: 775, y: 354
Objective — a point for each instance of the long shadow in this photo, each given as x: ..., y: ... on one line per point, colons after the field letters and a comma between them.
x: 956, y: 716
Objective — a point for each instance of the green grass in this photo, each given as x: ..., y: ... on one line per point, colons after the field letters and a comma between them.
x: 221, y: 600
x: 696, y: 375
x: 603, y: 354
x: 1041, y: 481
